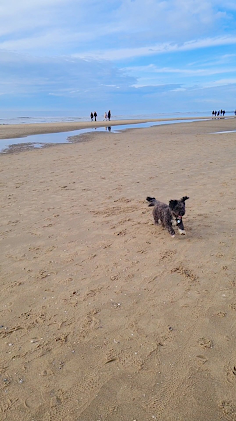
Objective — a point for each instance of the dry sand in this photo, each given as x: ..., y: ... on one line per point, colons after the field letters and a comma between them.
x: 104, y: 316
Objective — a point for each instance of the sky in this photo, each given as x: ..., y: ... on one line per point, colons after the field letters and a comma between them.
x: 130, y: 56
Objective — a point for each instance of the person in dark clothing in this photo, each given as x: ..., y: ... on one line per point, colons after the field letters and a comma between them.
x: 95, y: 115
x: 91, y: 115
x: 109, y: 115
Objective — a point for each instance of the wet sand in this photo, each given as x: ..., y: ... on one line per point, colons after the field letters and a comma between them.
x: 21, y: 130
x: 105, y: 316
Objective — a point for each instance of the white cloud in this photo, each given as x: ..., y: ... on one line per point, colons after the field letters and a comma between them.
x: 186, y: 71
x: 58, y: 75
x: 27, y: 15
x: 127, y: 53
x: 221, y: 82
x: 88, y: 27
x: 73, y: 48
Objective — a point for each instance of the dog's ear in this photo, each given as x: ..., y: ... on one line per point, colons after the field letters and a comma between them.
x: 184, y: 198
x: 173, y: 203
x: 151, y: 200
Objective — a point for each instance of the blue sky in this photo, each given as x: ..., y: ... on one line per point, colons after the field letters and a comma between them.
x: 132, y: 56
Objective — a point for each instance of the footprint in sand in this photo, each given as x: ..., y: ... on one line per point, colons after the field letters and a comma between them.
x: 187, y: 273
x: 167, y: 255
x: 121, y: 233
x: 205, y: 343
x: 231, y: 373
x: 201, y: 359
x: 88, y: 324
x: 229, y: 410
x: 221, y: 314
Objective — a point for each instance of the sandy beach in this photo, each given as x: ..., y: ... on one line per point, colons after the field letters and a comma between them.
x: 105, y: 316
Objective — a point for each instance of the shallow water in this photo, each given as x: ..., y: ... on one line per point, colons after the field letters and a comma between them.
x: 227, y: 131
x: 41, y: 140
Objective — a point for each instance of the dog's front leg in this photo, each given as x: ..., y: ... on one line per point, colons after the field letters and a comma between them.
x: 181, y: 227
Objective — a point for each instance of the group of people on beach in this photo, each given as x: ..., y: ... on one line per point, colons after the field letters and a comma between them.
x: 219, y: 113
x: 93, y: 115
x: 107, y: 116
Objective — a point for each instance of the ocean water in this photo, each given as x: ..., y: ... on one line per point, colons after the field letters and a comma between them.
x: 28, y: 117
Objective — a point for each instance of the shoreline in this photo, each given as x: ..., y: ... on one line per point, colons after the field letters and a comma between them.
x: 42, y: 135
x: 22, y: 130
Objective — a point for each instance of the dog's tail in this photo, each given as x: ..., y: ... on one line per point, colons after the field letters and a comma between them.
x: 152, y: 201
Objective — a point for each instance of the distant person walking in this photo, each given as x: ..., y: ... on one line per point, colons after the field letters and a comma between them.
x: 105, y: 116
x: 91, y: 115
x: 109, y: 115
x: 95, y: 115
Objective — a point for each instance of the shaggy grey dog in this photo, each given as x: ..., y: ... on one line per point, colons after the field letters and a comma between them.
x: 169, y: 215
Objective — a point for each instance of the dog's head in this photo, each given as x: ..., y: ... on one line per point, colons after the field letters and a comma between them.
x: 177, y: 207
